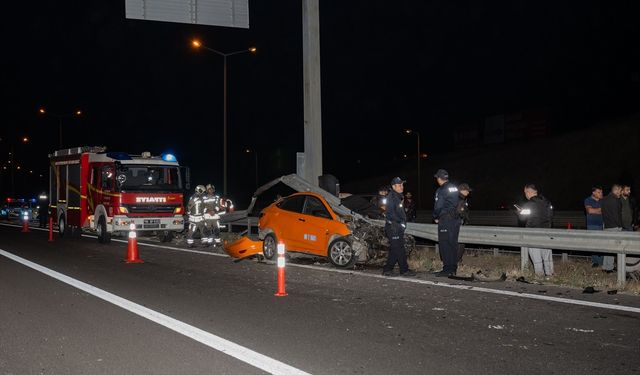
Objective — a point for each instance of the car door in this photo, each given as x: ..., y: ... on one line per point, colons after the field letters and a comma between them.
x: 317, y: 226
x: 290, y: 224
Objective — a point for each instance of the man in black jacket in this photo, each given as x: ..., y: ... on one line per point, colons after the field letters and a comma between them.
x: 612, y: 219
x: 448, y: 220
x: 395, y: 224
x: 537, y: 213
x: 463, y: 212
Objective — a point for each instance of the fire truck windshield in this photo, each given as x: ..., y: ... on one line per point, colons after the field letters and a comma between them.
x: 158, y: 178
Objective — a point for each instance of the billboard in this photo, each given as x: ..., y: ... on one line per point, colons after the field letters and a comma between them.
x: 230, y: 13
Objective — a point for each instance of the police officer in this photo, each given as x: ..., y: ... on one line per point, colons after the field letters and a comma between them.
x: 463, y: 212
x: 395, y: 224
x: 212, y: 215
x: 448, y: 220
x: 195, y: 209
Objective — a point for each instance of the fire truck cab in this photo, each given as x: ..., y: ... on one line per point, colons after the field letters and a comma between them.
x: 105, y: 192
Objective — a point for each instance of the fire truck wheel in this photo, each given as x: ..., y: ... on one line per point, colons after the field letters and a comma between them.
x: 103, y: 235
x: 62, y: 226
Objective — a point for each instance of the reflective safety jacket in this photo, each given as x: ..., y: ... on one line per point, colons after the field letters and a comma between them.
x: 196, y: 206
x: 211, y: 206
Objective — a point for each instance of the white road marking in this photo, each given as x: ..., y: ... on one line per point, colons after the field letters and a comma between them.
x: 230, y: 348
x: 418, y: 281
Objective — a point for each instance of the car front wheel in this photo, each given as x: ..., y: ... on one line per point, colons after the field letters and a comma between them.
x: 341, y: 253
x: 269, y: 246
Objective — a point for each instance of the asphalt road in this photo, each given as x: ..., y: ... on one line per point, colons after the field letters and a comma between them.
x: 331, y: 322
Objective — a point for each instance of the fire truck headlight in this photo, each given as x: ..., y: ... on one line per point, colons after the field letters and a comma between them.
x: 123, y: 210
x: 178, y: 210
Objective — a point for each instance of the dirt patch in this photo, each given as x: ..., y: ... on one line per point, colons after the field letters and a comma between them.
x: 576, y: 273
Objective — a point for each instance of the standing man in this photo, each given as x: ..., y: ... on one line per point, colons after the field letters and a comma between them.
x: 629, y: 209
x: 195, y: 209
x: 410, y: 207
x: 448, y: 220
x: 592, y: 207
x: 395, y: 224
x: 211, y: 215
x: 463, y: 212
x: 612, y: 219
x: 537, y: 213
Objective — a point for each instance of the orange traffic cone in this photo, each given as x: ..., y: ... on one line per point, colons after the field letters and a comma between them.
x: 132, y: 246
x: 281, y: 278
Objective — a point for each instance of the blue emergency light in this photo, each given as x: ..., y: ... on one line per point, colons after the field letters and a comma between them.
x: 169, y: 157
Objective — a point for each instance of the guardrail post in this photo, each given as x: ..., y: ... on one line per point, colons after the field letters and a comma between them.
x: 565, y: 257
x: 622, y: 269
x: 496, y: 252
x: 524, y: 258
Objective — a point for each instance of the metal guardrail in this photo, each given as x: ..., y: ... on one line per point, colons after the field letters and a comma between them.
x: 620, y: 243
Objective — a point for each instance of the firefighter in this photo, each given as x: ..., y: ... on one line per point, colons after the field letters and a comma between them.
x: 195, y: 208
x: 212, y: 210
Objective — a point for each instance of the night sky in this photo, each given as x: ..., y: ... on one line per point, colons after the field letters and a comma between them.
x: 386, y: 66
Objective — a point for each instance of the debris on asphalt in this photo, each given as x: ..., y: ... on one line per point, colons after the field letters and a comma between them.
x: 590, y: 290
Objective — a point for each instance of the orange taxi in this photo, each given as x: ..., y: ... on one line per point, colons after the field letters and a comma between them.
x: 306, y: 224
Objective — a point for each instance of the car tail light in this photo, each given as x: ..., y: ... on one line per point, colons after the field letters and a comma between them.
x: 123, y: 210
x: 178, y: 210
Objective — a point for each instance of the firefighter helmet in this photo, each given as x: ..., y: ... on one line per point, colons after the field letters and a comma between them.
x: 200, y: 189
x: 210, y: 186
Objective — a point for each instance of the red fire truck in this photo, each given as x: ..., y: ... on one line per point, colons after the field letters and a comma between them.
x: 104, y: 192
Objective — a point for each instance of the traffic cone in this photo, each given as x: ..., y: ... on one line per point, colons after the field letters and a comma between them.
x: 569, y: 226
x: 281, y: 263
x: 25, y: 223
x: 132, y: 246
x: 50, y: 229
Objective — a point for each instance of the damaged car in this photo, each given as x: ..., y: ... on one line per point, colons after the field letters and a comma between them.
x: 316, y: 223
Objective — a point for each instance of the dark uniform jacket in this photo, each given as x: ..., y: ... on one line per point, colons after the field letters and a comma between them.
x: 395, y: 212
x: 539, y: 212
x: 446, y: 202
x: 463, y: 209
x: 611, y: 211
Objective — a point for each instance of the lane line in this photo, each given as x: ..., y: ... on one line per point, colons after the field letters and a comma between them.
x: 419, y: 281
x: 218, y: 343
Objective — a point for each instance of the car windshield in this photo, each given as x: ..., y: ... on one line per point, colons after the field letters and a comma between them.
x: 158, y: 178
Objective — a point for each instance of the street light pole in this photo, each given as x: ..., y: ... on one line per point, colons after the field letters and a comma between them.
x: 60, y: 133
x: 224, y: 121
x: 60, y: 117
x: 198, y: 44
x: 410, y: 131
x: 255, y: 155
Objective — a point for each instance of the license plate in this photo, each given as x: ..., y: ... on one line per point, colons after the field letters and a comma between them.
x: 152, y: 221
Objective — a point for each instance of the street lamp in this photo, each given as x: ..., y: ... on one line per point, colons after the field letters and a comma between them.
x: 197, y: 44
x: 410, y: 131
x: 13, y: 167
x: 44, y: 112
x: 255, y: 154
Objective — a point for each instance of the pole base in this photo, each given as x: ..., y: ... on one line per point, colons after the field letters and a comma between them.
x: 281, y: 294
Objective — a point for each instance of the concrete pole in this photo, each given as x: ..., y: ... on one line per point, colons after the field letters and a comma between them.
x: 311, y: 81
